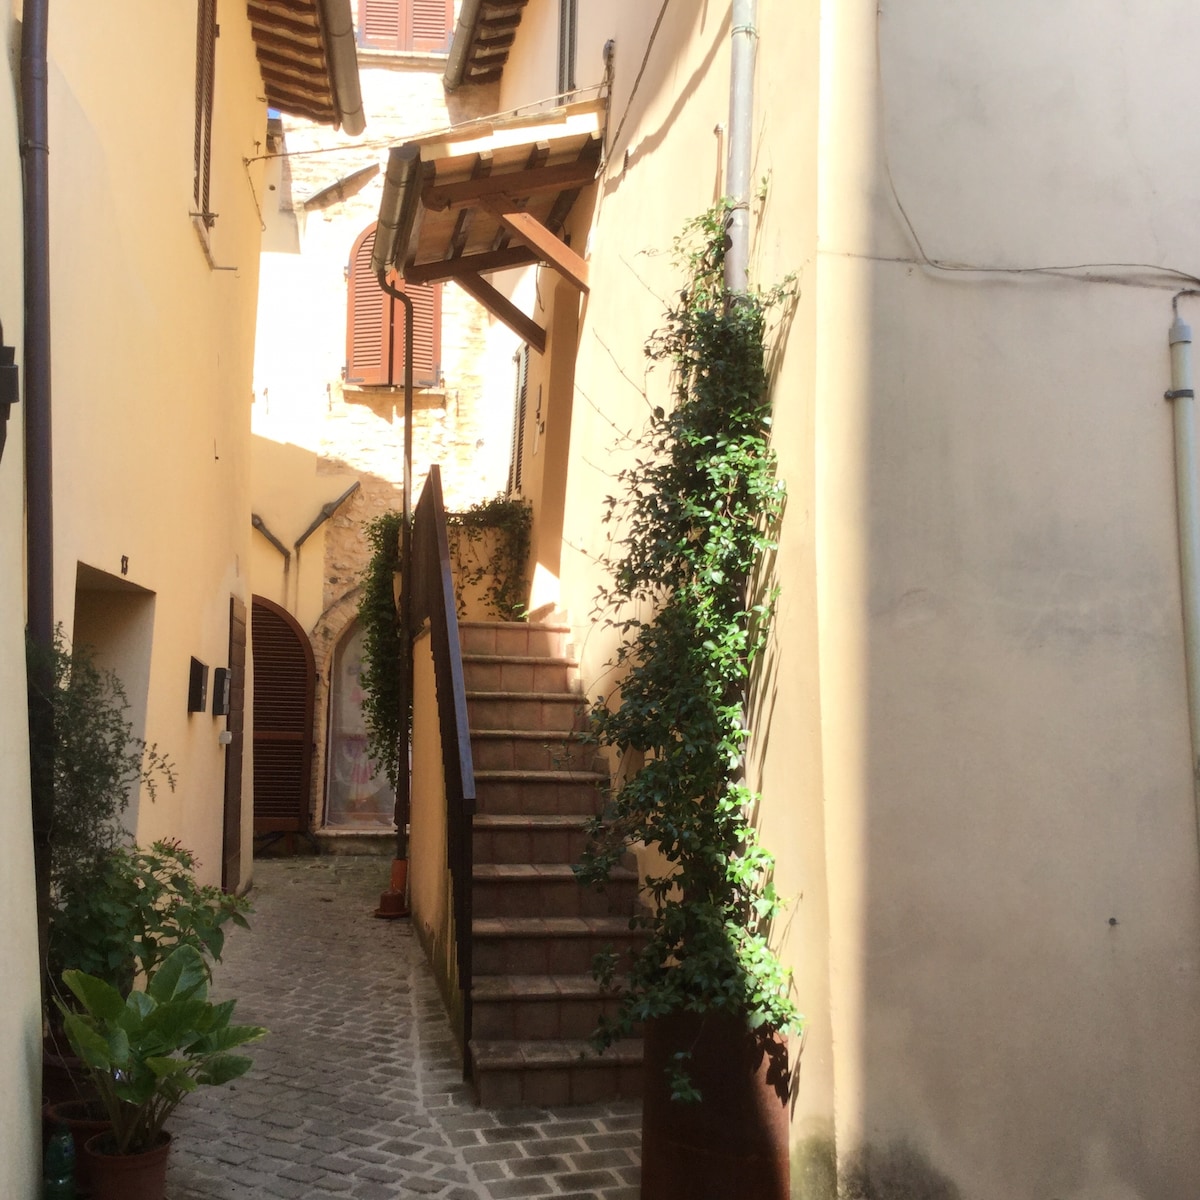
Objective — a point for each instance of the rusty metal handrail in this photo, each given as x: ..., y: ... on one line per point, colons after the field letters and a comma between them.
x: 433, y: 601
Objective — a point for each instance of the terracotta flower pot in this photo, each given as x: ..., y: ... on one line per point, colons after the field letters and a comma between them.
x: 734, y: 1140
x: 64, y: 1077
x: 85, y: 1119
x: 140, y: 1176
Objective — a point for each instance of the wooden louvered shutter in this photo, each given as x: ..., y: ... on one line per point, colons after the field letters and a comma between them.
x: 427, y: 333
x: 517, y: 458
x: 432, y: 25
x: 368, y: 318
x: 421, y: 25
x: 283, y: 706
x: 206, y: 67
x: 379, y: 23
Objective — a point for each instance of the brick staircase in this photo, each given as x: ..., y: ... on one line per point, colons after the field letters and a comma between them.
x: 535, y: 928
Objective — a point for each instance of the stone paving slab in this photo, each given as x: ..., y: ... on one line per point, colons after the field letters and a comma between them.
x: 357, y: 1092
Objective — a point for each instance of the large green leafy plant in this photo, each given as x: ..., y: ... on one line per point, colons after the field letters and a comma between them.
x: 696, y: 518
x: 95, y: 760
x: 147, y: 1050
x: 138, y: 908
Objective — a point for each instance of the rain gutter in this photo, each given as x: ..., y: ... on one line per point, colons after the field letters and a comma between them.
x: 397, y: 209
x: 327, y: 511
x: 341, y: 53
x: 464, y: 35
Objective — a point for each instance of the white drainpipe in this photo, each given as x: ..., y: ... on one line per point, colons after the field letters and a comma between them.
x: 741, y: 134
x: 1187, y: 498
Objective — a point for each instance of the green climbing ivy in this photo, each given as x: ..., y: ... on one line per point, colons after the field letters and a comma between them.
x: 381, y: 679
x: 697, y: 514
x: 490, y: 546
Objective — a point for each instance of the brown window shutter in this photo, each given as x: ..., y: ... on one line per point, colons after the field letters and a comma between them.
x: 366, y: 317
x: 206, y: 62
x: 368, y: 314
x: 432, y: 24
x: 423, y: 25
x: 380, y: 25
x: 516, y: 461
x: 427, y: 333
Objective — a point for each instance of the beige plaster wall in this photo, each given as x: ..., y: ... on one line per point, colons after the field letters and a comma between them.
x: 1012, y: 836
x: 20, y: 1005
x: 971, y: 731
x: 153, y: 343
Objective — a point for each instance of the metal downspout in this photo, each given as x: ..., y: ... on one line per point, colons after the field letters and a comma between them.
x: 1187, y: 498
x: 406, y: 666
x: 744, y: 35
x: 35, y: 22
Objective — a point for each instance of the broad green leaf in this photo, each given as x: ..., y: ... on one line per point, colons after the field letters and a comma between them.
x: 91, y: 1046
x: 100, y: 999
x: 223, y: 1067
x: 182, y: 975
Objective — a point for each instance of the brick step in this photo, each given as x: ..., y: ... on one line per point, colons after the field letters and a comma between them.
x: 514, y: 637
x: 538, y: 1006
x: 520, y: 673
x: 557, y: 712
x: 542, y: 1073
x: 532, y: 750
x: 537, y: 793
x: 516, y: 838
x: 548, y: 945
x: 549, y: 890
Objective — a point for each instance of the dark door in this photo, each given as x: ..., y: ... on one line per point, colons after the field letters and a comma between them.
x: 284, y: 681
x: 235, y: 723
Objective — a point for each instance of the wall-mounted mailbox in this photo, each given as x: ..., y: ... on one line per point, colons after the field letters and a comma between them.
x: 198, y: 686
x: 221, y: 676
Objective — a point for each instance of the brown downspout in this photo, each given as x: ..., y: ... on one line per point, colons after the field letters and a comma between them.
x: 35, y: 152
x: 406, y: 665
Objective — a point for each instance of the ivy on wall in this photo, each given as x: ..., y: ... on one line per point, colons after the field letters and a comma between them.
x: 697, y: 514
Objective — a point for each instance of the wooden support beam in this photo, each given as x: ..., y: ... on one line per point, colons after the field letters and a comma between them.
x: 439, y: 196
x: 462, y: 224
x: 478, y: 264
x: 503, y: 309
x: 528, y: 229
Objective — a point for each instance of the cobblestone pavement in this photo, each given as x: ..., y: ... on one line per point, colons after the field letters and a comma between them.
x: 357, y: 1094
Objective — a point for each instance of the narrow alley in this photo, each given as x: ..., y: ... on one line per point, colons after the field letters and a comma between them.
x: 357, y: 1093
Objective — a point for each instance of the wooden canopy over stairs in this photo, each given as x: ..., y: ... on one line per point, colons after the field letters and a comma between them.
x: 488, y: 196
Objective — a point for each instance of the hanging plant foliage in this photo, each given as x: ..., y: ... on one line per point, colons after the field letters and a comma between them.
x: 489, y: 544
x: 381, y: 679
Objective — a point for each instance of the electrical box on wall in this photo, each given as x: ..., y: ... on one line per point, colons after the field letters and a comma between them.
x: 197, y: 686
x: 221, y: 691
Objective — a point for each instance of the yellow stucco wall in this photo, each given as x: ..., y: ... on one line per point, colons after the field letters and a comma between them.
x: 152, y: 355
x: 20, y: 1006
x: 972, y: 735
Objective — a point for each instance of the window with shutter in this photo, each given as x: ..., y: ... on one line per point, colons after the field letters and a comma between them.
x: 370, y: 329
x: 516, y: 461
x: 420, y: 25
x: 206, y: 63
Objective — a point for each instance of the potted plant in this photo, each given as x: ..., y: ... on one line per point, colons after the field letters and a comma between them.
x: 686, y: 594
x: 96, y: 762
x: 138, y: 906
x: 145, y: 1051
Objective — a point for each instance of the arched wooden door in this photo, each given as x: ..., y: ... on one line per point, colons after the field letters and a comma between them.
x: 284, y: 681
